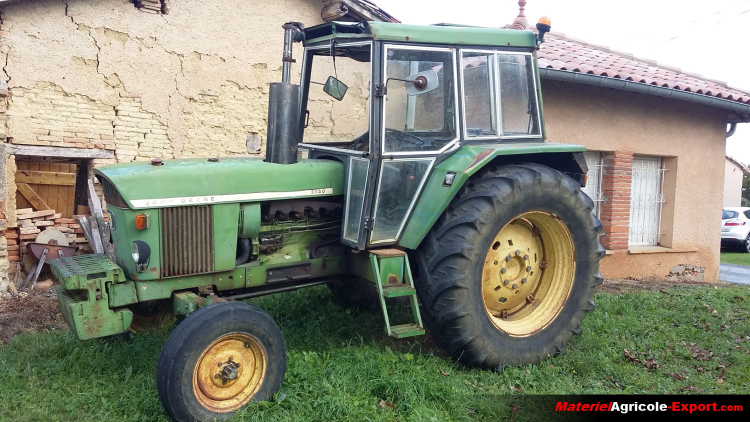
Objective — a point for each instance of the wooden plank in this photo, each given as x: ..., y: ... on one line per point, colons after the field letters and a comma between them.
x: 99, y: 229
x: 39, y: 214
x: 59, y: 152
x: 35, y: 200
x: 45, y: 177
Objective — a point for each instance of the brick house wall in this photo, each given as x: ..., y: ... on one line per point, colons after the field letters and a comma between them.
x: 615, y: 210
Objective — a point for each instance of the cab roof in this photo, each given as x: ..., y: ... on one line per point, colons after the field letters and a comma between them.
x: 427, y: 34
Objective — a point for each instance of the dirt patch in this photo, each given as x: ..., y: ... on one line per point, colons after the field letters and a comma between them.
x: 28, y: 312
x: 618, y: 286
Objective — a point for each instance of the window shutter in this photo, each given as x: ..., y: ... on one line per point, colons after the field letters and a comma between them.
x: 646, y: 201
x: 593, y: 188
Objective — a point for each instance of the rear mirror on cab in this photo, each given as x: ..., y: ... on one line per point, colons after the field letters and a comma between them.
x: 418, y: 83
x: 335, y: 88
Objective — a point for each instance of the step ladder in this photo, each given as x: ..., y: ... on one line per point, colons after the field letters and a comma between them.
x: 393, y: 278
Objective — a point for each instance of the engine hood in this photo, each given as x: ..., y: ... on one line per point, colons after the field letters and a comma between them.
x: 199, y: 181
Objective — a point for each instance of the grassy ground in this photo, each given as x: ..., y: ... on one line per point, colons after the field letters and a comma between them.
x: 739, y: 258
x: 341, y: 367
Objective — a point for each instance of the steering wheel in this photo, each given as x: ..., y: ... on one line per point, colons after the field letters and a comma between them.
x: 400, y: 135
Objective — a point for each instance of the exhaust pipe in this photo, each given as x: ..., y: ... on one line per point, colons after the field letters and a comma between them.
x: 283, y: 105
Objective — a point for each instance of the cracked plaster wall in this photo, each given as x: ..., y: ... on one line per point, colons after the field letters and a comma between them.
x: 101, y: 74
x: 105, y: 75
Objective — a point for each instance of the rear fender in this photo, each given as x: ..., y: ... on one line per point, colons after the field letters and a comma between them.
x: 467, y: 161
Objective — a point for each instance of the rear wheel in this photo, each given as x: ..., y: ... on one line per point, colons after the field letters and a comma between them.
x: 219, y: 359
x: 508, y: 272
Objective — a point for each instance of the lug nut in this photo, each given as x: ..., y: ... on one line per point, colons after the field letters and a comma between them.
x: 524, y: 280
x: 518, y: 252
x: 528, y: 269
x: 503, y: 270
x: 525, y: 257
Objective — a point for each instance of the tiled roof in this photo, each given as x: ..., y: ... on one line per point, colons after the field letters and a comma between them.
x: 562, y: 53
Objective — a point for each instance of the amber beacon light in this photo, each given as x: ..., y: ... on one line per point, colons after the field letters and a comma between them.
x: 543, y: 26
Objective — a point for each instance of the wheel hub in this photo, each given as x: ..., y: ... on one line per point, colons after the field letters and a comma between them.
x: 513, y: 272
x: 229, y: 372
x: 522, y: 293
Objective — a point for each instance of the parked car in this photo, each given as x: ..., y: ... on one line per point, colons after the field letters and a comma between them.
x: 735, y: 228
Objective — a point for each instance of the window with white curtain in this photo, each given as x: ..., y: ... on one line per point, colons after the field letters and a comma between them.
x: 593, y: 188
x: 646, y: 201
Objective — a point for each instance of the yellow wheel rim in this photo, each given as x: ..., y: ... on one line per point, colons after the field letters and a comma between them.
x: 229, y: 372
x: 528, y: 273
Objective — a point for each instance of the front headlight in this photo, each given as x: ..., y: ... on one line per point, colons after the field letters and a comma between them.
x: 141, y: 252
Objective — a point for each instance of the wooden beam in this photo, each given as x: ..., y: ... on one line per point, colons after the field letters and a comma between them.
x: 58, y: 152
x: 36, y: 177
x: 99, y: 230
x: 35, y: 200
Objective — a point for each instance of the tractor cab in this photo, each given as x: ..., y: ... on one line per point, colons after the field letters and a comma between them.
x: 391, y: 101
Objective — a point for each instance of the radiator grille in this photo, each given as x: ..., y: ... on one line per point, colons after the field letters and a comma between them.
x: 187, y: 240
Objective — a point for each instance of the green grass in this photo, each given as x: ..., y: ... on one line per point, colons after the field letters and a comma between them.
x: 739, y: 258
x: 341, y: 367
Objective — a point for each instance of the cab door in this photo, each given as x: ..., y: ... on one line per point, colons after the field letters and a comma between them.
x: 343, y: 128
x: 416, y: 127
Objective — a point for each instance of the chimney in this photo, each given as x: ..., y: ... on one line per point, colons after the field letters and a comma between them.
x: 520, y: 22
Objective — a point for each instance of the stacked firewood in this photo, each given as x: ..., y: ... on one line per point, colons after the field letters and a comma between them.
x: 31, y: 224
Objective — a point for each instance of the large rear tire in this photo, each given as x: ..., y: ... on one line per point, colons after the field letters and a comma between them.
x: 219, y: 359
x: 508, y: 272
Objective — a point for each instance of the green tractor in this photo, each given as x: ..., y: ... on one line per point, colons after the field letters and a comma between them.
x: 407, y: 168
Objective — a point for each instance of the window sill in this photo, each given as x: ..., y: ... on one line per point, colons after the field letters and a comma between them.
x: 658, y: 249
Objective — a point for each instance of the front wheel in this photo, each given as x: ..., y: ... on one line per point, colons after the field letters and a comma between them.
x: 508, y: 272
x: 219, y: 359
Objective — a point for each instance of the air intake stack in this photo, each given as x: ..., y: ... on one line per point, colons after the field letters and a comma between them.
x: 283, y: 105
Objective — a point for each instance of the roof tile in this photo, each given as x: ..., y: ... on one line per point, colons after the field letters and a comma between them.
x: 562, y: 53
